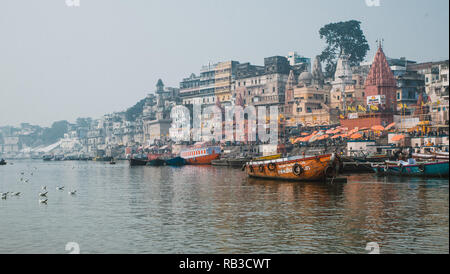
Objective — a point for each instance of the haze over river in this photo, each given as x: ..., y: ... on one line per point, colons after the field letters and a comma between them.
x: 206, y: 209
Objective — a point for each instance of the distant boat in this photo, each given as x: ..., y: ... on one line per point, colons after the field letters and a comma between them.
x: 201, y: 156
x: 296, y: 168
x: 156, y: 162
x: 47, y: 157
x: 424, y: 169
x: 2, y: 162
x: 177, y: 161
x: 138, y: 160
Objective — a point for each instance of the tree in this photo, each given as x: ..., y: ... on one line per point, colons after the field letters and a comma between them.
x: 343, y: 37
x: 53, y: 134
x: 133, y: 112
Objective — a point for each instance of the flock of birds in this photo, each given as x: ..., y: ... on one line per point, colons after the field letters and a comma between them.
x: 42, y: 195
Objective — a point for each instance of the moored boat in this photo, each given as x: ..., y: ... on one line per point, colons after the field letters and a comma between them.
x: 176, y: 161
x: 156, y: 162
x: 47, y: 157
x: 138, y: 162
x: 201, y: 156
x: 2, y: 162
x: 298, y: 168
x: 421, y: 169
x: 156, y: 159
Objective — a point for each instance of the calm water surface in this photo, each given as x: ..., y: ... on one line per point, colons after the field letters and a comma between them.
x: 208, y: 209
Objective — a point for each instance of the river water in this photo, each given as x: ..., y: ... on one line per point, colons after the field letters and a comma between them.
x: 206, y: 209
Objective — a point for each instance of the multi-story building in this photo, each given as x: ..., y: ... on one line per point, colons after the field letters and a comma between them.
x: 410, y: 85
x: 223, y: 76
x: 264, y: 85
x: 199, y: 89
x: 295, y: 59
x: 436, y: 76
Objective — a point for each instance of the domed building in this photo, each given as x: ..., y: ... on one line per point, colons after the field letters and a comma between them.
x: 346, y: 86
x: 307, y: 99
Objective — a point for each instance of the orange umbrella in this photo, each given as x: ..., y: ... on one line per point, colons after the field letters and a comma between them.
x: 307, y: 138
x: 353, y: 131
x: 356, y: 136
x: 391, y: 125
x: 305, y: 133
x: 363, y: 128
x: 337, y: 136
x: 322, y: 137
x: 398, y: 137
x: 377, y: 128
x: 297, y: 140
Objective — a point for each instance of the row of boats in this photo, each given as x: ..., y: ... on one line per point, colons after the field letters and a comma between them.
x: 193, y: 156
x: 435, y: 164
x: 299, y: 168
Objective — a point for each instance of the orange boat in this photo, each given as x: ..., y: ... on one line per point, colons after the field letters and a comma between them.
x: 200, y: 156
x: 298, y: 168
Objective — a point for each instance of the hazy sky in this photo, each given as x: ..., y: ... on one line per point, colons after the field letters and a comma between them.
x: 60, y: 63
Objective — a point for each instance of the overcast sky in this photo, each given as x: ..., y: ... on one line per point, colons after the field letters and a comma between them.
x: 59, y: 62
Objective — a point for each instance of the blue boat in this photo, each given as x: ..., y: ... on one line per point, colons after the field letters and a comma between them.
x: 426, y: 169
x: 177, y: 161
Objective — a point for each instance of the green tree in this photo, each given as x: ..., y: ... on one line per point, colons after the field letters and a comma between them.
x: 343, y: 36
x: 53, y: 134
x: 133, y: 112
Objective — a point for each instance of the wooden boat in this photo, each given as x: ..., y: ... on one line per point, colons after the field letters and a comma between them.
x: 270, y: 157
x: 156, y: 162
x: 298, y: 168
x: 176, y: 161
x: 138, y: 162
x: 423, y: 169
x: 201, y: 156
x: 219, y: 162
x: 237, y: 162
x: 433, y: 156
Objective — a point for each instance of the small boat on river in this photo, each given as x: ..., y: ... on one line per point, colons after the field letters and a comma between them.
x: 2, y: 162
x: 420, y: 169
x: 297, y: 168
x: 176, y: 161
x: 201, y: 155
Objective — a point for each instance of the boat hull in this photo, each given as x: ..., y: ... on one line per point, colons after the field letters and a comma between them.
x: 138, y: 162
x: 177, y: 161
x: 434, y: 169
x: 156, y: 162
x: 201, y: 156
x: 299, y: 168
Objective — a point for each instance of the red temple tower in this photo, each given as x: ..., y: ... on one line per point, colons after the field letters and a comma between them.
x: 380, y: 83
x: 380, y: 91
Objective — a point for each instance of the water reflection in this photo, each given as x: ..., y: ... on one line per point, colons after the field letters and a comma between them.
x: 205, y: 209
